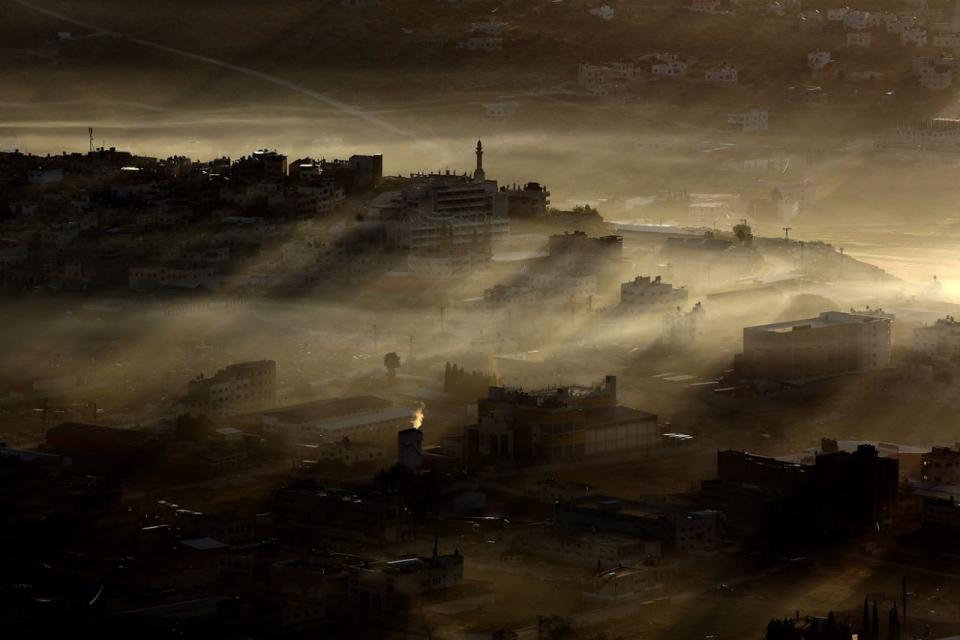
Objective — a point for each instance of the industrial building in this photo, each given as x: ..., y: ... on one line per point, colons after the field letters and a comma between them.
x: 557, y: 425
x: 834, y: 343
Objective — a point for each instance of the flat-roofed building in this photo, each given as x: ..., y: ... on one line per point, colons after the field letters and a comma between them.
x: 557, y: 425
x: 362, y: 419
x: 677, y: 527
x: 244, y: 386
x: 396, y: 585
x: 644, y: 293
x: 941, y: 340
x: 834, y: 343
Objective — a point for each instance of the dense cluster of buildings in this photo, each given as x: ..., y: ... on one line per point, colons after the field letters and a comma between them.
x: 110, y: 220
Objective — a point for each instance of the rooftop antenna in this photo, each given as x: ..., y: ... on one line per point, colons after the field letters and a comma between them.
x: 90, y: 132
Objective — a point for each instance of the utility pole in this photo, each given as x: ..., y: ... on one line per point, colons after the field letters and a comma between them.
x: 786, y: 232
x: 904, y: 596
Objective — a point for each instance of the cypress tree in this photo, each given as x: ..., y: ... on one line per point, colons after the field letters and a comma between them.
x: 865, y: 630
x: 875, y: 622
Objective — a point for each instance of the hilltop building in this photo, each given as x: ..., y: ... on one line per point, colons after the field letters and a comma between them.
x: 645, y: 293
x: 452, y: 208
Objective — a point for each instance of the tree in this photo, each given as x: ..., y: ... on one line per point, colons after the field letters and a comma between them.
x: 875, y: 623
x: 193, y: 427
x: 865, y: 631
x: 392, y: 362
x: 504, y: 634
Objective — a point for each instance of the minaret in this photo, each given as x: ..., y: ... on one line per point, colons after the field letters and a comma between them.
x: 479, y: 175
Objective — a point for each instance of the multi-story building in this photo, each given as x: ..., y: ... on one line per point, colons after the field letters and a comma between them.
x: 644, y: 293
x: 817, y: 60
x: 748, y: 121
x: 683, y: 328
x: 676, y: 527
x: 455, y: 208
x: 180, y: 274
x: 836, y: 493
x: 941, y: 465
x: 862, y: 39
x: 725, y: 74
x: 557, y: 425
x: 262, y: 165
x: 246, y: 386
x: 941, y: 340
x: 396, y: 585
x: 530, y: 201
x: 834, y: 343
x: 550, y: 490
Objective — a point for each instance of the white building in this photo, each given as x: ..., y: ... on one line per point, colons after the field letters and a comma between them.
x: 669, y: 68
x: 644, y: 293
x: 939, y: 340
x: 683, y: 328
x: 488, y: 44
x: 176, y: 275
x: 837, y: 14
x: 454, y: 210
x: 442, y: 263
x: 749, y: 121
x: 861, y: 39
x: 551, y: 284
x: 239, y: 387
x: 603, y: 80
x: 708, y: 214
x: 819, y: 59
x: 857, y: 20
x: 935, y: 78
x: 834, y: 343
x: 914, y: 36
x: 725, y: 74
x: 604, y: 12
x: 949, y: 40
x: 489, y: 28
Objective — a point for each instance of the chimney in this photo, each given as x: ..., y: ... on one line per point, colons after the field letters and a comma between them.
x: 611, y: 384
x: 410, y: 448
